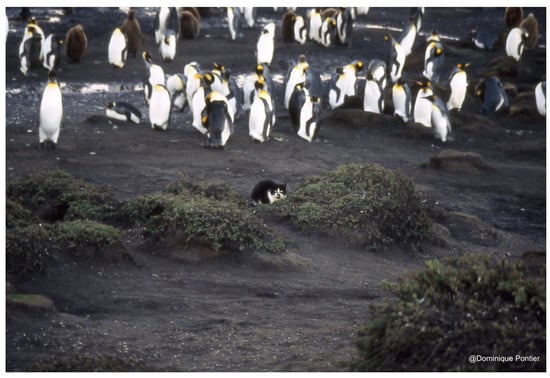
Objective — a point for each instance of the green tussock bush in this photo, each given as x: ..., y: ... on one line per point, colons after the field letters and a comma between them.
x: 212, y: 189
x: 29, y: 249
x: 17, y: 215
x: 85, y: 200
x: 366, y: 204
x: 453, y: 309
x: 86, y: 233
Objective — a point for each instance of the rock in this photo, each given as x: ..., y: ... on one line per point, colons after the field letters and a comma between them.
x: 456, y: 161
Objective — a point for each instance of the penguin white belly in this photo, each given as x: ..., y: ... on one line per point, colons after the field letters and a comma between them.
x: 379, y: 74
x: 51, y: 114
x: 159, y: 108
x: 163, y: 15
x: 300, y: 30
x: 117, y: 49
x: 296, y: 76
x: 399, y: 98
x: 540, y: 98
x: 346, y: 84
x: 315, y: 22
x: 114, y: 115
x: 175, y: 86
x: 264, y: 49
x: 156, y: 75
x: 307, y: 126
x: 440, y: 124
x: 199, y: 104
x: 397, y: 66
x: 48, y: 62
x: 408, y: 41
x: 258, y: 121
x: 248, y: 91
x: 423, y: 110
x: 193, y: 84
x: 372, y: 101
x: 514, y: 44
x: 459, y: 84
x: 168, y: 48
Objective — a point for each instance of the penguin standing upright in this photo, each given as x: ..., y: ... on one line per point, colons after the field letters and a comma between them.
x: 295, y: 74
x: 297, y: 100
x: 176, y: 85
x: 160, y: 107
x: 249, y: 14
x: 402, y: 100
x: 440, y: 119
x: 377, y: 68
x: 190, y: 24
x: 422, y: 105
x: 191, y: 72
x: 458, y: 82
x: 51, y: 112
x: 76, y: 43
x: 515, y: 42
x: 396, y: 58
x: 491, y: 92
x: 51, y: 52
x: 483, y: 40
x: 309, y: 118
x: 122, y: 111
x: 165, y: 18
x: 416, y: 14
x: 167, y: 47
x: 344, y: 25
x: 131, y: 28
x: 234, y: 20
x: 300, y: 30
x: 262, y: 71
x: 225, y: 84
x: 217, y: 120
x: 118, y: 48
x: 287, y: 26
x: 315, y: 21
x: 343, y: 84
x: 29, y: 50
x: 408, y: 36
x: 38, y: 31
x: 373, y: 98
x: 198, y: 103
x: 329, y: 32
x: 433, y: 58
x: 154, y: 75
x: 262, y: 116
x: 266, y: 44
x: 540, y: 97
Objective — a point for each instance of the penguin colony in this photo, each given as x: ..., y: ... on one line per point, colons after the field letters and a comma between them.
x: 216, y: 102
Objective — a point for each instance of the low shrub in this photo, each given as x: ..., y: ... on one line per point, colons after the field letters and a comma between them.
x: 29, y: 249
x: 366, y: 204
x: 86, y: 233
x: 85, y: 200
x: 453, y: 309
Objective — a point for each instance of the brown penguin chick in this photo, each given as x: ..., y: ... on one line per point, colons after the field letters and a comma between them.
x: 513, y: 16
x: 76, y: 43
x: 329, y: 12
x: 287, y: 26
x: 531, y: 24
x: 190, y: 25
x: 193, y: 10
x: 131, y: 28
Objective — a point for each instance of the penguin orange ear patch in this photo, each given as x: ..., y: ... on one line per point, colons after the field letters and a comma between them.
x: 204, y: 120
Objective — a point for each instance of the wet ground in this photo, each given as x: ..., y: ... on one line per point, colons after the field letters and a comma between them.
x: 299, y: 311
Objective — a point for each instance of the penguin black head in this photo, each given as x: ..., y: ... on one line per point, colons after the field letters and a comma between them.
x: 147, y: 56
x: 52, y: 76
x: 32, y: 20
x: 302, y: 58
x: 339, y: 70
x: 259, y: 84
x: 259, y: 69
x: 110, y: 105
x: 462, y: 66
x: 369, y: 76
x: 219, y: 67
x: 431, y: 98
x: 401, y: 81
x: 359, y: 65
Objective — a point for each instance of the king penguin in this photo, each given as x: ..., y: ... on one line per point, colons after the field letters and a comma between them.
x: 434, y: 58
x: 167, y: 46
x: 154, y: 75
x: 30, y: 50
x: 261, y: 71
x: 295, y: 74
x: 51, y: 49
x: 540, y: 97
x: 492, y: 94
x: 515, y: 42
x: 408, y: 36
x: 122, y: 111
x: 343, y: 84
x: 198, y: 103
x: 51, y: 112
x: 131, y: 28
x: 344, y: 25
x: 422, y: 105
x: 266, y: 44
x: 440, y: 119
x: 76, y: 43
x: 396, y: 58
x: 329, y: 32
x: 402, y: 100
x: 458, y: 81
x: 37, y: 31
x: 262, y: 116
x: 118, y: 48
x: 309, y: 118
x: 160, y: 107
x: 373, y: 98
x: 191, y: 71
x: 234, y: 20
x: 217, y: 120
x: 165, y: 18
x: 483, y: 40
x: 297, y: 100
x: 315, y: 21
x: 377, y: 68
x: 300, y: 29
x: 176, y: 85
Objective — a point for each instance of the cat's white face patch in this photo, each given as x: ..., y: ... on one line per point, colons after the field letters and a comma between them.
x: 277, y: 194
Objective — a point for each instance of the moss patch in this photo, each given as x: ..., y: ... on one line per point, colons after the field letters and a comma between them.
x: 366, y: 204
x: 33, y: 302
x: 463, y: 306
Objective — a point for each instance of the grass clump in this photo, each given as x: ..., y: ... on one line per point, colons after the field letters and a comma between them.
x: 86, y: 233
x: 366, y: 204
x: 85, y: 200
x: 29, y: 249
x: 453, y: 309
x: 208, y: 213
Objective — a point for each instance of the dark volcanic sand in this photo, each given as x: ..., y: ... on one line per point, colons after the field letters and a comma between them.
x: 299, y: 311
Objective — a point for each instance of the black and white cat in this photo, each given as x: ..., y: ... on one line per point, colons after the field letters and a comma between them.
x: 267, y: 191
